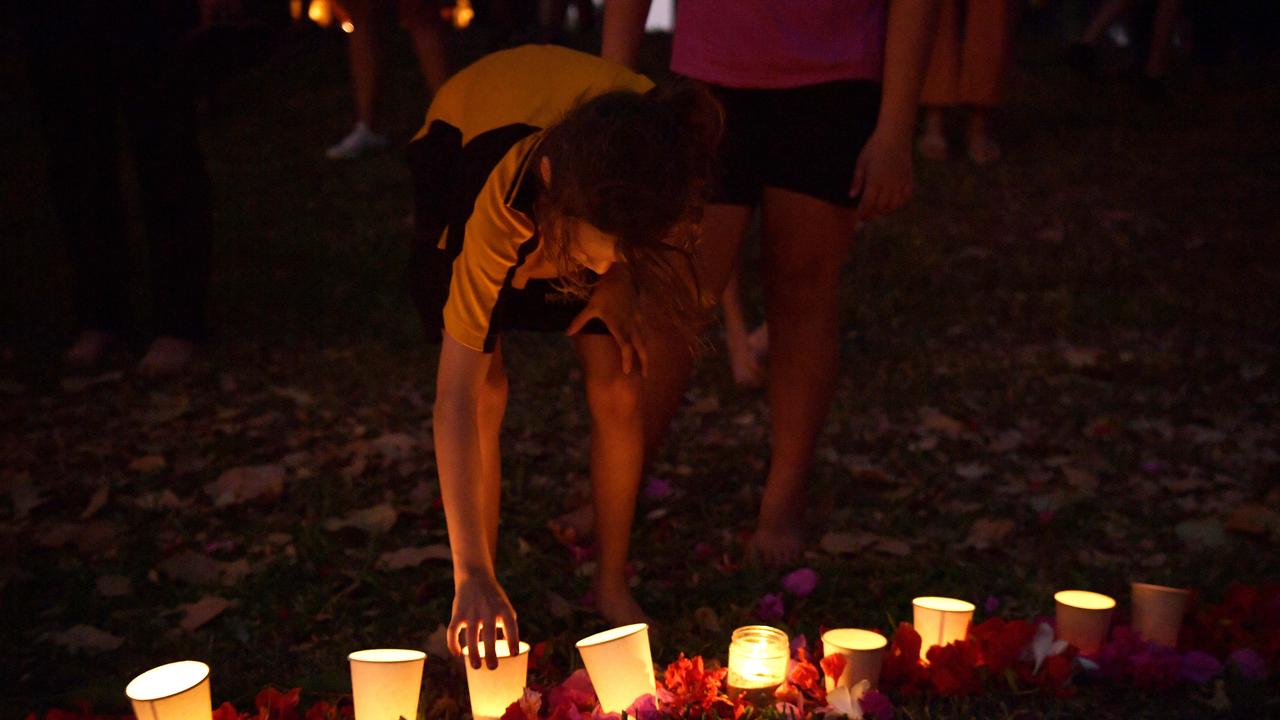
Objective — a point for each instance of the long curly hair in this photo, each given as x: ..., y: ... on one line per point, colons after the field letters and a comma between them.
x: 637, y: 166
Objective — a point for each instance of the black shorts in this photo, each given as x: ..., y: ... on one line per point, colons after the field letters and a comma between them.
x: 804, y: 139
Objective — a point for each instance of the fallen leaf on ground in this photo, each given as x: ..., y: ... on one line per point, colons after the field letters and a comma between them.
x: 96, y: 502
x: 1082, y: 480
x: 114, y: 586
x: 78, y: 384
x: 148, y: 464
x: 1081, y: 357
x: 413, y: 556
x: 300, y: 397
x: 249, y: 482
x: 840, y: 543
x: 972, y: 471
x: 1253, y: 519
x: 193, y: 568
x: 395, y: 446
x: 86, y: 639
x: 376, y: 519
x: 200, y: 612
x: 986, y: 533
x: 935, y: 421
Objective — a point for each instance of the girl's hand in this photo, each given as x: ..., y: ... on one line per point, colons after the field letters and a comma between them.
x: 882, y: 177
x: 480, y: 607
x: 614, y: 302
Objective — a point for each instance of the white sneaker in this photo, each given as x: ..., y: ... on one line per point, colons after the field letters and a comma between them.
x: 359, y: 142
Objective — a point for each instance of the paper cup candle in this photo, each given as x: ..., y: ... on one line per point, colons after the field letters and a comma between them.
x: 177, y: 691
x: 863, y: 652
x: 1158, y: 612
x: 940, y: 621
x: 385, y: 683
x: 619, y: 665
x: 493, y: 691
x: 1083, y: 618
x: 758, y: 657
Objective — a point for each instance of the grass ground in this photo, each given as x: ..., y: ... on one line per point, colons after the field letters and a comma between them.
x: 1080, y: 341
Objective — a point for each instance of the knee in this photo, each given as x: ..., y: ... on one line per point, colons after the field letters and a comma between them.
x: 614, y: 397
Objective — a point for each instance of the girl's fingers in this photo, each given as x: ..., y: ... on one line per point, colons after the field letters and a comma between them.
x: 473, y: 646
x: 455, y: 627
x: 490, y: 645
x: 643, y: 356
x: 511, y: 631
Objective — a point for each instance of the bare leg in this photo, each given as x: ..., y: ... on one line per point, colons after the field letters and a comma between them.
x: 617, y: 457
x: 1103, y: 19
x: 365, y: 50
x: 493, y: 406
x: 806, y: 243
x: 933, y: 141
x: 743, y: 361
x: 429, y: 45
x: 1162, y: 28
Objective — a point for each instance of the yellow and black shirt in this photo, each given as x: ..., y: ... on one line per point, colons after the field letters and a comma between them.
x: 474, y: 191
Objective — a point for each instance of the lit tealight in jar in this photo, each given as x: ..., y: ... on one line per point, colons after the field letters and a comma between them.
x: 758, y: 657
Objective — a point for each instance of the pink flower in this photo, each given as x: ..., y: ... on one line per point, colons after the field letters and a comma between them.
x: 1199, y: 667
x: 576, y: 690
x: 1249, y: 663
x: 770, y: 607
x: 800, y: 582
x: 876, y: 705
x: 657, y: 489
x: 644, y: 708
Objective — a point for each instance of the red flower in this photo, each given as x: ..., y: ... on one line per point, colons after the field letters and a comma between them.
x: 275, y: 705
x: 691, y: 684
x: 804, y: 675
x: 833, y: 665
x: 902, y: 668
x: 1001, y: 643
x: 320, y: 711
x: 953, y: 668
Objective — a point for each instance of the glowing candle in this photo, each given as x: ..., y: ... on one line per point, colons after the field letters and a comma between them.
x: 620, y: 665
x: 1083, y: 618
x: 940, y: 621
x: 177, y: 691
x: 385, y: 683
x: 863, y: 652
x: 493, y: 691
x: 758, y: 657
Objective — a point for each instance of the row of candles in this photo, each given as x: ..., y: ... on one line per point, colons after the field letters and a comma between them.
x: 386, y: 683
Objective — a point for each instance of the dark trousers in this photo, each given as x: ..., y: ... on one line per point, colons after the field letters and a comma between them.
x: 91, y: 64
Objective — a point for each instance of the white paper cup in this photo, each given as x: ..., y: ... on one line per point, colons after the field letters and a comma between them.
x: 863, y: 652
x: 1083, y: 618
x: 493, y: 691
x: 386, y: 683
x: 940, y: 621
x: 1158, y: 612
x: 620, y: 665
x: 177, y: 691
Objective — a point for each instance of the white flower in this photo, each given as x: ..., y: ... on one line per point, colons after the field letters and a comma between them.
x: 1043, y: 646
x: 843, y: 701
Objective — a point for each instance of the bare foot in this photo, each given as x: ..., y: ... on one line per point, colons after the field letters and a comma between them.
x: 743, y: 360
x: 776, y: 547
x: 89, y: 349
x: 574, y: 527
x: 983, y: 150
x: 618, y: 607
x: 932, y: 146
x: 167, y: 356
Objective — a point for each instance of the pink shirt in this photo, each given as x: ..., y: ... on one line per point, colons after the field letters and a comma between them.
x: 779, y: 43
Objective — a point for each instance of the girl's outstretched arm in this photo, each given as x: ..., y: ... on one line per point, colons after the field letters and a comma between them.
x: 480, y: 605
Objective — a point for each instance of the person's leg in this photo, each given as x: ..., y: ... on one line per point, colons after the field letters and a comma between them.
x: 942, y: 80
x: 426, y: 28
x: 670, y: 359
x: 806, y: 243
x: 493, y: 406
x: 365, y: 51
x: 617, y: 458
x: 983, y: 62
x: 76, y: 98
x: 744, y: 362
x: 175, y: 192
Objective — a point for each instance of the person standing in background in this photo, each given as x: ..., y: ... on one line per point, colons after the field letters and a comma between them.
x: 367, y: 49
x: 90, y: 62
x: 820, y: 103
x: 967, y: 68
